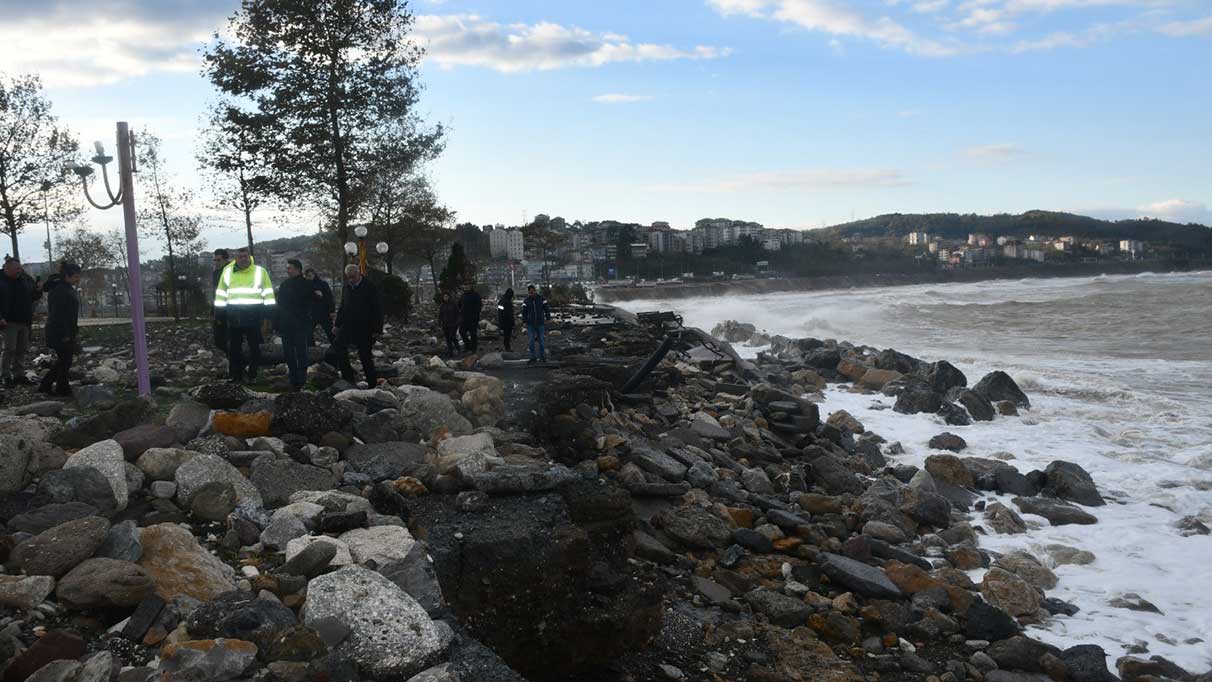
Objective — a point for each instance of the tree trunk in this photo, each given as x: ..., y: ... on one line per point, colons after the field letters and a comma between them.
x: 172, y: 283
x: 16, y: 247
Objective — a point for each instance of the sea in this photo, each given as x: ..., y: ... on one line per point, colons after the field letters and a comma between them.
x: 1119, y: 373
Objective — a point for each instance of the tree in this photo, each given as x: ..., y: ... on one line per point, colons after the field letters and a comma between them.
x: 335, y: 83
x: 167, y: 211
x: 542, y: 237
x: 34, y: 153
x: 454, y: 273
x: 236, y: 157
x: 90, y: 250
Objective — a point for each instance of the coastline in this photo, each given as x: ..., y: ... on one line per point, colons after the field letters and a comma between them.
x: 865, y: 280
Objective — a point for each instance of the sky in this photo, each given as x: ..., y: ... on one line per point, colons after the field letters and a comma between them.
x: 793, y: 113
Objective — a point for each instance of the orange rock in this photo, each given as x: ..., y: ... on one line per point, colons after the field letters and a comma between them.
x: 608, y: 463
x: 410, y: 487
x: 787, y: 544
x: 911, y: 580
x: 851, y: 370
x: 241, y: 425
x: 743, y: 518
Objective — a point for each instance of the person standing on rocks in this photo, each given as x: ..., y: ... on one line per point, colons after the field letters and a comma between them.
x: 505, y: 318
x: 62, y: 328
x: 246, y: 295
x: 294, y: 321
x: 449, y: 318
x: 18, y: 292
x: 322, y: 308
x: 471, y: 305
x: 217, y: 313
x: 359, y: 322
x: 535, y: 315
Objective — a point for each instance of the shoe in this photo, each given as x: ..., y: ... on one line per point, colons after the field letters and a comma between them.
x: 531, y: 361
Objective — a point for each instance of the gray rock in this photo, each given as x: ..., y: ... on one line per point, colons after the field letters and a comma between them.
x: 122, y: 542
x: 187, y: 419
x: 424, y: 410
x: 100, y: 583
x: 100, y: 667
x: 282, y: 530
x: 279, y: 479
x: 207, y: 468
x: 781, y: 609
x: 756, y: 481
x: 163, y: 490
x: 387, y: 461
x: 1057, y: 512
x: 161, y: 464
x: 57, y: 671
x: 24, y: 592
x: 379, y: 547
x: 107, y: 458
x: 78, y: 484
x: 1069, y: 481
x: 49, y: 516
x: 656, y: 462
x: 858, y: 577
x: 834, y: 477
x: 218, y: 659
x: 15, y: 453
x: 44, y: 408
x: 417, y: 576
x: 311, y: 561
x: 977, y: 405
x: 512, y: 479
x: 706, y: 426
x: 998, y: 386
x: 947, y: 441
x: 94, y: 395
x: 56, y: 551
x: 390, y: 635
x: 697, y: 527
x: 702, y: 475
x: 212, y: 502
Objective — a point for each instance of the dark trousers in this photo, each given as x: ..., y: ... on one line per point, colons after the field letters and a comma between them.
x: 220, y: 327
x: 507, y: 337
x: 470, y: 332
x: 294, y: 347
x: 452, y: 339
x: 57, y: 376
x: 363, y: 345
x: 236, y: 336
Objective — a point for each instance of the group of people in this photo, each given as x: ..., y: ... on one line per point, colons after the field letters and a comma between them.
x: 460, y: 319
x: 19, y: 293
x: 247, y: 308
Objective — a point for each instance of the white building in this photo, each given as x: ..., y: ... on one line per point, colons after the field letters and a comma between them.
x: 508, y: 244
x: 1133, y: 248
x: 918, y: 239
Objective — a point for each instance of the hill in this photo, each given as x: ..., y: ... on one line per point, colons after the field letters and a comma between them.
x: 1044, y: 223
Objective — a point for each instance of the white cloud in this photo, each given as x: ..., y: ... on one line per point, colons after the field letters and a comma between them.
x: 796, y: 181
x: 471, y: 40
x: 836, y: 20
x: 930, y: 6
x: 1177, y: 210
x: 994, y: 152
x: 616, y: 98
x: 1181, y: 29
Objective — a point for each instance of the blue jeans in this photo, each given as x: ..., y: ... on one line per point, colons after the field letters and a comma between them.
x: 535, y: 332
x: 294, y: 346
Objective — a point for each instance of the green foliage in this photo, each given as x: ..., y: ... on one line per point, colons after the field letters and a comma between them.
x: 455, y: 272
x: 565, y: 294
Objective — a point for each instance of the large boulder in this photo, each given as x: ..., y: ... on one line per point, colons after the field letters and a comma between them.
x: 187, y: 419
x: 978, y: 406
x: 135, y: 441
x: 918, y: 397
x: 858, y: 577
x: 107, y: 458
x: 222, y: 396
x: 206, y: 468
x: 102, y: 583
x: 48, y: 516
x: 56, y: 551
x: 423, y: 410
x: 77, y: 484
x: 942, y: 376
x: 25, y: 591
x: 998, y: 386
x: 15, y: 453
x: 180, y: 566
x: 161, y: 464
x: 1057, y: 512
x: 276, y: 481
x: 102, y: 425
x: 207, y: 659
x: 240, y: 615
x: 1010, y: 593
x: 484, y: 398
x: 1068, y: 481
x: 380, y: 547
x: 387, y: 461
x: 696, y: 527
x: 390, y: 635
x: 834, y: 476
x: 309, y: 414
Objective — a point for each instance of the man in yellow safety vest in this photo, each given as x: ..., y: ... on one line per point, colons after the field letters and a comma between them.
x: 245, y: 297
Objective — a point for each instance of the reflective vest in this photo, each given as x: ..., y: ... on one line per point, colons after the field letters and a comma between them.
x: 246, y: 292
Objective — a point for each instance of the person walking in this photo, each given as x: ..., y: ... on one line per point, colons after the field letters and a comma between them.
x: 62, y: 328
x: 294, y: 322
x: 246, y: 295
x: 18, y: 292
x: 469, y: 328
x: 535, y: 315
x: 217, y: 313
x: 449, y: 318
x: 505, y: 318
x: 359, y: 322
x: 322, y: 308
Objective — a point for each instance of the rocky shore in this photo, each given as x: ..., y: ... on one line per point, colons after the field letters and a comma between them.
x: 479, y: 519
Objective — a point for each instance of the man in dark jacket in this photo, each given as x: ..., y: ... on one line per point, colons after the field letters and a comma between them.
x: 18, y: 291
x: 62, y: 330
x: 218, y: 315
x: 469, y: 328
x: 535, y: 315
x: 359, y: 321
x: 449, y: 319
x: 322, y: 307
x: 294, y: 321
x: 505, y: 318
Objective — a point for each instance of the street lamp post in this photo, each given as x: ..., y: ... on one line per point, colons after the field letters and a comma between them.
x: 184, y: 294
x: 126, y: 197
x: 114, y: 292
x: 359, y: 249
x: 46, y: 187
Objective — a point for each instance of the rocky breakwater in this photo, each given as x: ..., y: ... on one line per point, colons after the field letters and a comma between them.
x: 391, y: 533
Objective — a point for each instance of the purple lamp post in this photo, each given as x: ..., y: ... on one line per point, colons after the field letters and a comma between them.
x: 125, y: 197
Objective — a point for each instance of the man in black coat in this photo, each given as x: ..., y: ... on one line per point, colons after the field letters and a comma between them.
x: 359, y: 321
x: 469, y: 328
x: 322, y: 307
x: 294, y: 321
x: 219, y: 315
x: 506, y: 318
x: 62, y: 328
x: 18, y: 292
